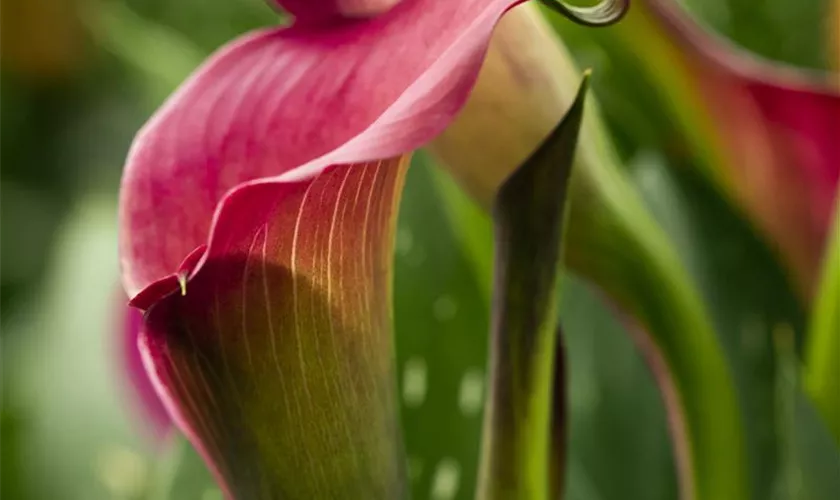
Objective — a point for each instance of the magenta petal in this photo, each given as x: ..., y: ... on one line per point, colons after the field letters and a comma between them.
x: 299, y: 98
x: 804, y: 124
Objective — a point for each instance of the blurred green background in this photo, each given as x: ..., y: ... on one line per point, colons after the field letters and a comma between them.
x: 79, y: 77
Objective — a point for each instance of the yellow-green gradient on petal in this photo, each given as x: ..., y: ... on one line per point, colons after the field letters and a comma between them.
x: 278, y: 360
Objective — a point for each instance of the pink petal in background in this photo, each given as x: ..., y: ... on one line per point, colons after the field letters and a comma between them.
x: 775, y: 132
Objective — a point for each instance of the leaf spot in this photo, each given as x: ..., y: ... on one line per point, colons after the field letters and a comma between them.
x: 416, y: 257
x: 122, y: 471
x: 405, y: 241
x: 446, y: 480
x: 753, y: 335
x: 414, y: 382
x: 471, y: 393
x: 415, y: 468
x: 444, y: 308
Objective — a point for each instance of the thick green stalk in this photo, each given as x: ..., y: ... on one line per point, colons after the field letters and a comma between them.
x: 614, y: 242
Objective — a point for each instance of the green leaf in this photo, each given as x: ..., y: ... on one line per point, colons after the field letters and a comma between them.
x: 743, y: 288
x: 441, y: 324
x: 614, y: 243
x: 11, y: 425
x: 810, y: 460
x: 619, y: 447
x: 444, y: 256
x: 615, y: 408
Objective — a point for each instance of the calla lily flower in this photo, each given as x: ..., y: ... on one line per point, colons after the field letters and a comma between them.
x: 764, y: 133
x: 257, y: 211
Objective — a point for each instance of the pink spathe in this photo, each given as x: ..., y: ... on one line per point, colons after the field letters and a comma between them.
x: 215, y: 203
x: 283, y: 104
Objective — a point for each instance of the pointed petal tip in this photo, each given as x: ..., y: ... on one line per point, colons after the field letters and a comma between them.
x: 561, y: 141
x: 154, y: 292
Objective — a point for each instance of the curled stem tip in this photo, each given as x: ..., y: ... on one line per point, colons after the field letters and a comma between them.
x: 605, y: 13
